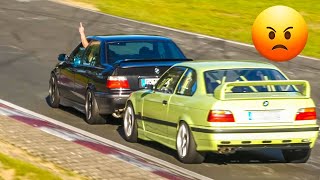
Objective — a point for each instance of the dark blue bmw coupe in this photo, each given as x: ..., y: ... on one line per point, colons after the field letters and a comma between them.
x: 97, y: 80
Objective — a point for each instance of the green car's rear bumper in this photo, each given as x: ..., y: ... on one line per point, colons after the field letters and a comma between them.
x: 212, y: 139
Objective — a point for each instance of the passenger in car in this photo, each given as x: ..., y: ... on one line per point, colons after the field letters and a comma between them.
x: 145, y: 53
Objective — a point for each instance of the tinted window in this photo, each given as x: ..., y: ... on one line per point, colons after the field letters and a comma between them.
x: 215, y: 77
x: 142, y: 50
x: 171, y: 51
x: 92, y: 54
x: 169, y: 80
x: 76, y: 55
x: 188, y: 83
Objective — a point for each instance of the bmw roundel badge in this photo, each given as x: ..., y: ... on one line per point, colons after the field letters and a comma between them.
x: 157, y: 70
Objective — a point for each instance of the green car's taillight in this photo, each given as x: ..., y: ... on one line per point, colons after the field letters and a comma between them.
x: 306, y: 114
x: 220, y: 116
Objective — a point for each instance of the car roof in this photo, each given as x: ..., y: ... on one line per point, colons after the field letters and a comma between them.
x: 225, y: 64
x: 111, y: 38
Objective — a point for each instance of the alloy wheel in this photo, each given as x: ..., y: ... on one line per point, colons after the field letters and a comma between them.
x: 128, y: 121
x: 89, y: 105
x: 52, y: 90
x: 182, y: 141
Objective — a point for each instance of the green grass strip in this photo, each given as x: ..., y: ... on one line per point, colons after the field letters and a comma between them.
x: 24, y: 170
x: 227, y: 19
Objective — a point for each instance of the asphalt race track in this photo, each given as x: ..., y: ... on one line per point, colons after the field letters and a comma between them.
x: 34, y: 32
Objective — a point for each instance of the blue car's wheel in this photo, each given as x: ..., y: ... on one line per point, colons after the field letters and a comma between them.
x: 54, y: 97
x: 92, y: 111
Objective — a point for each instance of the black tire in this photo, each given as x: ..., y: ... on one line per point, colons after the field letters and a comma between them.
x: 92, y: 111
x: 130, y: 126
x: 296, y: 155
x: 54, y: 96
x: 186, y: 146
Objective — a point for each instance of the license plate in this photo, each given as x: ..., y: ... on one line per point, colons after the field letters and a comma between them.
x: 264, y: 116
x: 145, y: 82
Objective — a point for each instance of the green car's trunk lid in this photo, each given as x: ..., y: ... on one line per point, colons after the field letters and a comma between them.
x: 255, y: 108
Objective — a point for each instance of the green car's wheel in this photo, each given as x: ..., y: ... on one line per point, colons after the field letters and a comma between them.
x: 130, y: 124
x: 296, y: 155
x: 54, y: 97
x: 92, y: 111
x: 186, y: 146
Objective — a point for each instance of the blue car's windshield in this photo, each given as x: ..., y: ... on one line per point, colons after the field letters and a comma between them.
x: 142, y: 50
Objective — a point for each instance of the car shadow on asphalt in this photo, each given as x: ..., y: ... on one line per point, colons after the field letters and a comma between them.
x: 110, y: 120
x: 67, y: 109
x: 264, y: 156
x: 150, y: 144
x: 241, y: 157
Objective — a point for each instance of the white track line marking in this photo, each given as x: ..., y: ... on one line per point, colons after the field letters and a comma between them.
x: 11, y: 46
x: 39, y: 18
x: 107, y: 141
x: 171, y: 29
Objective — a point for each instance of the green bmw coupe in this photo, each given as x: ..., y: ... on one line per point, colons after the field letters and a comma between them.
x: 223, y: 107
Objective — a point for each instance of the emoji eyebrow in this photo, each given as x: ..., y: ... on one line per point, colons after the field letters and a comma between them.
x: 272, y: 29
x: 288, y: 28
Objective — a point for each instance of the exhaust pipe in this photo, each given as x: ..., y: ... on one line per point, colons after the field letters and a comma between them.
x: 226, y: 150
x: 118, y: 113
x: 232, y: 150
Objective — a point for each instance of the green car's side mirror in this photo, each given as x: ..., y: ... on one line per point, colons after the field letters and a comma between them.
x: 62, y: 57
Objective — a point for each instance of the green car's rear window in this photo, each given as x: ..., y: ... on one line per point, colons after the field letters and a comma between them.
x: 215, y: 77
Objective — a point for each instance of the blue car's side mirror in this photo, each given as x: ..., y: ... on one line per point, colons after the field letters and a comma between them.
x: 150, y: 86
x: 62, y: 57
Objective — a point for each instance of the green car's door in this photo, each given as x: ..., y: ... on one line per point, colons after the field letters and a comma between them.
x: 155, y: 105
x: 154, y: 110
x: 181, y: 103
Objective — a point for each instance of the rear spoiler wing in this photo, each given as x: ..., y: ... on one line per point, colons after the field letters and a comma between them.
x: 225, y: 88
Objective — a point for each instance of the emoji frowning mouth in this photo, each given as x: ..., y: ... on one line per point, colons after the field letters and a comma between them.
x: 279, y: 46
